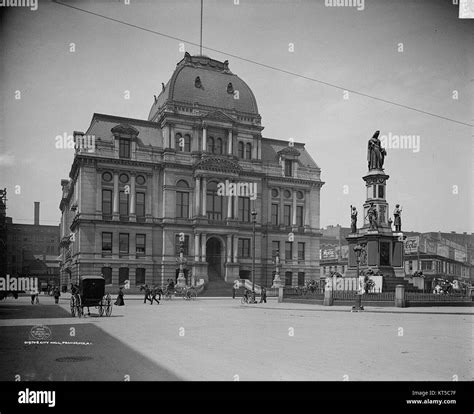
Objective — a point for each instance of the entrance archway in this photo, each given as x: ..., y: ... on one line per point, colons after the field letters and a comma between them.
x: 215, y: 258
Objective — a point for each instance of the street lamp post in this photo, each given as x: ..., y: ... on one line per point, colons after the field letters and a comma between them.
x: 254, y: 221
x: 358, y: 249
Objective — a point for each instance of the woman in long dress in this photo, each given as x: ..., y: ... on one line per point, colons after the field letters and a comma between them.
x: 120, y: 301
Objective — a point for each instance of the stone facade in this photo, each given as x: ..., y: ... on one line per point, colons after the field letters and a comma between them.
x: 191, y: 172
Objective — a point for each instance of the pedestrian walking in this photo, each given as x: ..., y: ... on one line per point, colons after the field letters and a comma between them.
x: 263, y: 297
x: 56, y: 294
x: 155, y: 292
x: 119, y: 301
x: 147, y: 294
x: 34, y: 296
x: 233, y: 292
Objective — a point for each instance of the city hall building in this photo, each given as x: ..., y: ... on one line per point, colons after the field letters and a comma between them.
x: 190, y: 176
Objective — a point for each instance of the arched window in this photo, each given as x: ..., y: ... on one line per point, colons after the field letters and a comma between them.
x: 182, y: 199
x: 218, y: 146
x: 215, y: 202
x: 183, y: 144
x: 241, y: 149
x: 248, y: 151
x: 210, y: 145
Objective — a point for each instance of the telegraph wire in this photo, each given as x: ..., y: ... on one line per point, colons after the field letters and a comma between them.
x: 265, y: 65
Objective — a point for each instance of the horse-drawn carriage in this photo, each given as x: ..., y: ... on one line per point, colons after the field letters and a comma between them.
x: 90, y: 292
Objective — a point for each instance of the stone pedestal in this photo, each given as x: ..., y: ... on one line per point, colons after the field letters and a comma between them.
x: 328, y: 299
x: 400, y: 296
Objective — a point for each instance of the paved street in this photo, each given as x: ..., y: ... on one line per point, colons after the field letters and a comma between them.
x: 221, y: 339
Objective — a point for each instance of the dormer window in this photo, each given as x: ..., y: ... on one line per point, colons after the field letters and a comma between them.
x: 288, y: 168
x: 124, y: 148
x: 230, y: 88
x: 197, y: 82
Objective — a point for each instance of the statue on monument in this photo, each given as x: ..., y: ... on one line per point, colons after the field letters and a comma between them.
x: 397, y: 215
x: 372, y: 216
x: 375, y: 153
x: 353, y: 220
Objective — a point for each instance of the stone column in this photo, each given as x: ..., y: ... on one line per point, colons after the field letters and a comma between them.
x: 204, y: 196
x: 229, y: 207
x: 236, y: 207
x: 148, y: 197
x: 171, y: 135
x: 236, y: 247
x: 115, y: 210
x: 229, y: 142
x: 293, y: 221
x: 98, y: 194
x: 229, y: 248
x: 307, y: 206
x: 132, y: 195
x: 281, y: 218
x: 259, y: 153
x: 204, y: 138
x: 197, y: 194
x: 203, y: 247
x: 196, y: 247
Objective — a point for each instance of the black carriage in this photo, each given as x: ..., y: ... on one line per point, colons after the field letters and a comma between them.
x: 90, y: 292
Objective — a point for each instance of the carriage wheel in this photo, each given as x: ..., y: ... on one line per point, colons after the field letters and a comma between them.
x: 108, y: 307
x: 193, y: 295
x: 101, y: 307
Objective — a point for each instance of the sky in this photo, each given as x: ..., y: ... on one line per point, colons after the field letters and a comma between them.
x: 59, y: 65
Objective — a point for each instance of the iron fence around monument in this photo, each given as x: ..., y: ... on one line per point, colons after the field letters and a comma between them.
x: 432, y: 297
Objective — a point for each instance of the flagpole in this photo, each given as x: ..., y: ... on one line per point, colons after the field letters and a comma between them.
x: 200, y: 43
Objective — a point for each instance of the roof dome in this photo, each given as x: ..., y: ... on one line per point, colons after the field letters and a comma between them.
x: 207, y: 82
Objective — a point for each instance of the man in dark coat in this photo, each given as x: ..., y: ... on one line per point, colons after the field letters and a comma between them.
x: 154, y: 292
x: 56, y: 294
x: 147, y: 294
x: 263, y: 297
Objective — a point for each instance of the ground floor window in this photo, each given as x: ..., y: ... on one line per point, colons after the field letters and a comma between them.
x: 107, y: 274
x: 139, y: 276
x: 300, y: 278
x: 288, y: 277
x: 123, y: 275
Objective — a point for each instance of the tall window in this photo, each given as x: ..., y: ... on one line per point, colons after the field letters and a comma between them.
x: 185, y: 245
x: 123, y: 275
x: 300, y: 251
x: 210, y: 145
x: 248, y: 151
x: 107, y: 274
x: 288, y: 278
x: 182, y: 204
x: 215, y: 203
x: 287, y: 215
x: 288, y: 168
x: 275, y: 212
x: 182, y: 200
x: 123, y: 244
x: 275, y: 247
x: 140, y: 208
x: 139, y: 276
x: 123, y: 203
x: 124, y: 148
x: 244, y: 248
x: 107, y: 244
x: 299, y: 216
x: 218, y: 149
x: 241, y: 149
x: 288, y: 251
x: 300, y: 278
x: 140, y: 244
x: 106, y: 201
x: 244, y: 209
x: 183, y: 144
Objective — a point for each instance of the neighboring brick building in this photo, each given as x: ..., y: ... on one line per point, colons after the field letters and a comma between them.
x: 33, y: 249
x: 146, y: 182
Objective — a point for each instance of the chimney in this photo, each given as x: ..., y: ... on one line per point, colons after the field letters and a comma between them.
x: 37, y: 213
